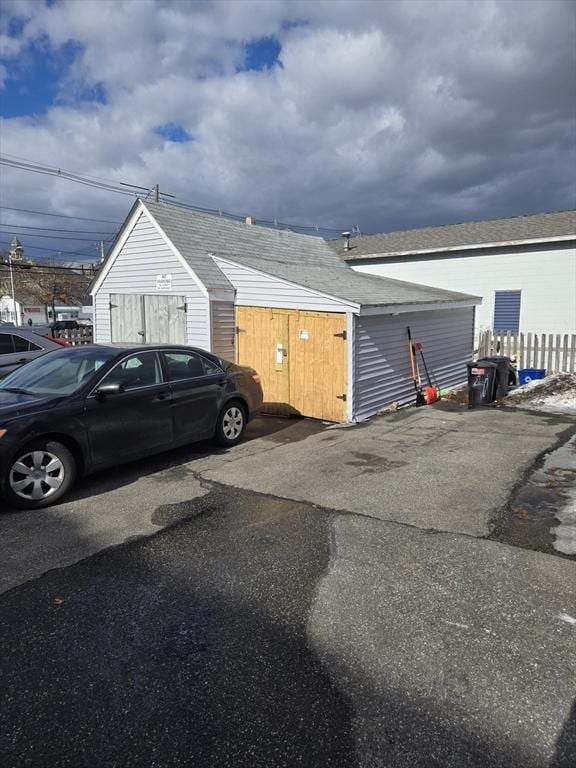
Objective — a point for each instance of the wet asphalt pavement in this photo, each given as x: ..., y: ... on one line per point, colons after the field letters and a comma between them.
x: 188, y: 648
x: 342, y: 611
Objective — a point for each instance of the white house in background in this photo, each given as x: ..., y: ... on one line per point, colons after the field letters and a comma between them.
x: 327, y: 341
x: 10, y: 311
x: 524, y: 268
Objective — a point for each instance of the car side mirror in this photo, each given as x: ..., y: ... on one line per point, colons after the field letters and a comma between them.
x: 109, y: 389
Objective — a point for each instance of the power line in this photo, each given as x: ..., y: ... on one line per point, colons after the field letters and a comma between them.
x: 59, y: 215
x: 44, y: 269
x: 53, y: 237
x: 79, y: 252
x: 26, y: 165
x: 52, y: 229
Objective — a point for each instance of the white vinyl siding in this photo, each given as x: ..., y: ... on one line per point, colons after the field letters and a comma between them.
x: 255, y: 289
x: 546, y: 277
x: 381, y: 363
x: 223, y: 329
x: 144, y: 255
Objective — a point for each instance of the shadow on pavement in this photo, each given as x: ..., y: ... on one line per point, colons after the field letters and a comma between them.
x: 190, y: 648
x: 272, y: 429
x: 185, y: 649
x: 565, y: 756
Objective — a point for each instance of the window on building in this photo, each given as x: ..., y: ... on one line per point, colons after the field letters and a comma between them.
x: 507, y: 310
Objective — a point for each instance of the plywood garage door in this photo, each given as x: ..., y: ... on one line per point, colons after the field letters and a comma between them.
x: 300, y: 356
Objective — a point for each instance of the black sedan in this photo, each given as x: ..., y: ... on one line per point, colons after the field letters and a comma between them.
x: 82, y: 409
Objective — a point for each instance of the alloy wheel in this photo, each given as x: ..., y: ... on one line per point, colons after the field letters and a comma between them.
x: 36, y: 475
x: 233, y: 423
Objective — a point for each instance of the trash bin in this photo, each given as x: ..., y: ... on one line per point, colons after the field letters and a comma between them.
x: 506, y: 372
x: 482, y: 382
x: 526, y: 375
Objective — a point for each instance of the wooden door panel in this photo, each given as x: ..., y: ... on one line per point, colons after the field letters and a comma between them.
x: 165, y: 319
x: 312, y: 378
x: 318, y: 365
x: 126, y: 320
x: 260, y: 330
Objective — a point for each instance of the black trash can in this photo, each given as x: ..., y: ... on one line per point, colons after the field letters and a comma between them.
x: 482, y: 382
x: 507, y: 372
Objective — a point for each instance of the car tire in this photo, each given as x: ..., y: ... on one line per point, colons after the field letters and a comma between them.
x: 46, y: 486
x: 231, y: 424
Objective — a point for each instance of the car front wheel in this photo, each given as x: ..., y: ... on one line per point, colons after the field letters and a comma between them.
x: 39, y: 475
x: 231, y: 424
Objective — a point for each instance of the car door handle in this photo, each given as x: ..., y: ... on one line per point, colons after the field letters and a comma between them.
x: 162, y: 395
x: 222, y: 382
x: 23, y: 360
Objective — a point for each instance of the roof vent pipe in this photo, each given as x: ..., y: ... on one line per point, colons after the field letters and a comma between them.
x: 346, y: 236
x: 250, y: 220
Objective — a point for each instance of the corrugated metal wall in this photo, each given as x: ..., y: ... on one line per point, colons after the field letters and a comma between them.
x: 223, y: 329
x: 381, y: 363
x: 144, y: 255
x: 259, y: 290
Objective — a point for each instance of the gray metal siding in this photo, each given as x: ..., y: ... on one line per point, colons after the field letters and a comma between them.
x: 223, y: 329
x: 144, y: 255
x: 261, y: 290
x: 381, y: 363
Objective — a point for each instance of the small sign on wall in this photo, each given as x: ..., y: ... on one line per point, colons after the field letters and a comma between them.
x: 303, y: 334
x: 163, y: 282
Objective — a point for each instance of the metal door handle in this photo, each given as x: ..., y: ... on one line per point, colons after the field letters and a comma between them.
x: 162, y: 395
x: 140, y: 333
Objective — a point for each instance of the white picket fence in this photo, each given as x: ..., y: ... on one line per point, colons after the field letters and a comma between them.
x: 555, y: 352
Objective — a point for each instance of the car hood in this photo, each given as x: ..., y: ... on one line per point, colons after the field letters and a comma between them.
x: 18, y: 404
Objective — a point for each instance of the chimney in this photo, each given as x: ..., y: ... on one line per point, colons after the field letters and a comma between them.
x: 346, y: 237
x: 250, y: 220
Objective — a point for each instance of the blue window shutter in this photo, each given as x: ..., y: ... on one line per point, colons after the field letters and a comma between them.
x: 507, y: 310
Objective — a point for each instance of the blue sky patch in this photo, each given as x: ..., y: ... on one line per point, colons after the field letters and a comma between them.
x: 35, y: 79
x: 262, y: 53
x: 173, y: 132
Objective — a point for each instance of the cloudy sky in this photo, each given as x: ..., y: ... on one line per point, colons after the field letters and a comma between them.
x: 381, y: 114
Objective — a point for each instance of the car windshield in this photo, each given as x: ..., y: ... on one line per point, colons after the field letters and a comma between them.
x: 58, y: 373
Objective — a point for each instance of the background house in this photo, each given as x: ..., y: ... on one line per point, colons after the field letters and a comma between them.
x: 328, y: 341
x: 524, y: 268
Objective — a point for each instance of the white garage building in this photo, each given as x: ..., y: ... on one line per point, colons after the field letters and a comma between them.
x: 327, y: 341
x: 524, y: 268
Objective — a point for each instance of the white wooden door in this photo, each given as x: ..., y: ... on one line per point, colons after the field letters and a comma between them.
x: 126, y: 318
x: 150, y: 319
x: 165, y: 319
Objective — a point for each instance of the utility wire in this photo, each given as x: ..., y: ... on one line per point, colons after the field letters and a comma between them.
x: 78, y: 252
x: 59, y: 215
x: 108, y: 186
x: 53, y: 237
x: 48, y: 269
x: 52, y: 229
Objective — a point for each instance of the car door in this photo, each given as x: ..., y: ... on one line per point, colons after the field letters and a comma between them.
x: 26, y: 349
x: 134, y: 422
x: 9, y: 359
x: 198, y: 388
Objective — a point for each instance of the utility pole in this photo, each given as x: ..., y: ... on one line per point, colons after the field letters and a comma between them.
x: 101, y: 250
x: 156, y: 193
x: 16, y: 313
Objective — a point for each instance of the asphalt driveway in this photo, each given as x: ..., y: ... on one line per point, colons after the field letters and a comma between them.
x: 316, y: 596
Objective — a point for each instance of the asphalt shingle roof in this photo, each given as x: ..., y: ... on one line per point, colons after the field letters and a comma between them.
x: 538, y: 226
x: 301, y: 259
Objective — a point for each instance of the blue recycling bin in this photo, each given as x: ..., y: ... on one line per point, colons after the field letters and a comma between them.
x: 526, y: 375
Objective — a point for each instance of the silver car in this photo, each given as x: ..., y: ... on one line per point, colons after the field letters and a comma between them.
x: 19, y: 346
